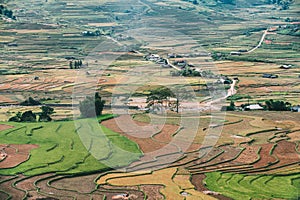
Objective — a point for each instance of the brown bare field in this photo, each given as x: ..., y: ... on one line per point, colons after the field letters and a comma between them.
x: 161, y: 177
x: 27, y: 183
x: 229, y: 154
x: 249, y: 155
x: 15, y: 154
x: 295, y: 136
x: 197, y: 181
x: 214, y: 152
x: 15, y: 193
x: 286, y: 152
x: 4, y: 127
x: 81, y: 184
x: 59, y: 194
x: 265, y: 157
x: 147, y: 144
x: 152, y: 191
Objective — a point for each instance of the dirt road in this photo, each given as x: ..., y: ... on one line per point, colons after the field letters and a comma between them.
x: 260, y: 42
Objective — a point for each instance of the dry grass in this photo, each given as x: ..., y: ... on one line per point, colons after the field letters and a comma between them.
x: 171, y: 190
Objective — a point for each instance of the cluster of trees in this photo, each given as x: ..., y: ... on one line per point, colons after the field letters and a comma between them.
x: 228, y: 2
x: 277, y: 105
x: 191, y: 72
x: 270, y: 105
x: 195, y: 2
x: 76, y: 65
x: 91, y: 106
x: 8, y: 13
x: 187, y: 71
x: 30, y: 102
x: 290, y: 29
x: 163, y: 94
x: 285, y: 4
x: 29, y: 116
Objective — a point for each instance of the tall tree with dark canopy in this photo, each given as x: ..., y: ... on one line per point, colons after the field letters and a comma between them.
x: 30, y: 102
x: 91, y: 106
x: 45, y: 114
x: 28, y: 116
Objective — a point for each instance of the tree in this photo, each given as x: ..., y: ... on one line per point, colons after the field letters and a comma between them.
x: 181, y: 94
x: 91, y: 106
x: 45, y: 114
x: 231, y: 107
x: 76, y: 66
x: 228, y: 2
x: 163, y: 93
x: 16, y: 118
x: 277, y: 105
x: 30, y: 102
x: 159, y: 95
x: 5, y: 11
x: 28, y: 116
x: 71, y: 65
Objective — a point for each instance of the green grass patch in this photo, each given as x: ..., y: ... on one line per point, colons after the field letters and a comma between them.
x: 241, y: 186
x: 65, y: 150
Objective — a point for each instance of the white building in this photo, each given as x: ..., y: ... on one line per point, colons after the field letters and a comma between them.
x: 295, y: 108
x: 254, y: 107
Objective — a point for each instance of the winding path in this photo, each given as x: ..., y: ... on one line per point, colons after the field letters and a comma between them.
x: 260, y: 42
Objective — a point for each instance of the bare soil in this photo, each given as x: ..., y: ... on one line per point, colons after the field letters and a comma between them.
x: 197, y: 181
x: 285, y: 151
x: 28, y: 184
x: 249, y: 155
x: 146, y: 142
x: 59, y: 194
x: 4, y: 127
x: 265, y: 157
x: 152, y: 191
x: 15, y: 154
x: 7, y: 187
x: 82, y: 184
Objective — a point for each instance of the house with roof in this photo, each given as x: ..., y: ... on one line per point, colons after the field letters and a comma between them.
x: 253, y: 107
x: 295, y: 108
x: 270, y: 76
x: 235, y: 53
x: 285, y: 66
x: 153, y: 57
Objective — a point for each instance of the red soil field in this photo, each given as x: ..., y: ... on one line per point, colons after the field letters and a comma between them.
x: 15, y: 193
x: 249, y: 155
x: 146, y: 144
x: 28, y: 183
x: 15, y: 154
x: 59, y: 194
x: 285, y: 151
x: 197, y: 181
x: 4, y: 127
x: 265, y: 157
x: 152, y: 191
x: 82, y: 184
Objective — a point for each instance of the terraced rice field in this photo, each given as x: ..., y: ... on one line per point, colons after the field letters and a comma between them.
x: 243, y: 159
x: 252, y: 165
x: 29, y: 142
x: 257, y: 155
x: 239, y: 186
